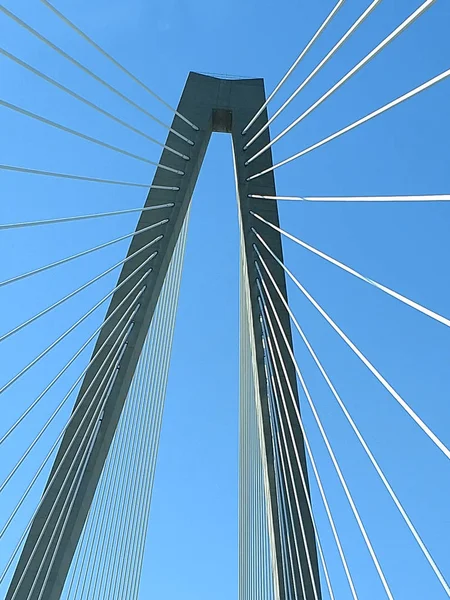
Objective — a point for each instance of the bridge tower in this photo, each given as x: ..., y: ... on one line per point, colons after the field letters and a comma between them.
x: 213, y: 105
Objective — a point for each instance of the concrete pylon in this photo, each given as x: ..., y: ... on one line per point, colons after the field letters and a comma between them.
x: 213, y: 104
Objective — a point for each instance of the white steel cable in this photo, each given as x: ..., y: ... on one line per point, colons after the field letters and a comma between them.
x: 314, y: 72
x: 77, y: 291
x: 303, y: 53
x: 333, y: 457
x: 78, y: 255
x: 70, y: 362
x: 108, y: 491
x: 167, y: 319
x: 77, y: 479
x: 84, y: 217
x: 364, y: 444
x: 117, y: 64
x: 90, y: 73
x: 415, y: 417
x: 72, y: 327
x: 59, y: 438
x: 118, y: 496
x: 97, y: 414
x: 365, y: 119
x: 387, y: 40
x: 284, y: 505
x: 89, y: 103
x: 281, y: 477
x: 263, y: 310
x: 44, y: 495
x: 306, y: 547
x: 150, y: 466
x: 100, y: 546
x: 311, y: 457
x: 423, y: 198
x: 426, y: 311
x: 77, y: 566
x: 122, y: 508
x: 147, y: 186
x: 66, y: 520
x: 83, y: 136
x: 56, y: 411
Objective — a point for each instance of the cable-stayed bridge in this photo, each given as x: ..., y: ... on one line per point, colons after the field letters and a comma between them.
x: 85, y: 394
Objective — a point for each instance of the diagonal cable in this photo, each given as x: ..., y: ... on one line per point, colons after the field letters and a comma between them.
x: 117, y: 64
x: 306, y: 547
x: 125, y: 331
x: 72, y: 327
x: 112, y: 89
x: 356, y: 124
x: 422, y: 198
x: 363, y: 443
x: 267, y: 332
x: 67, y: 396
x: 331, y: 453
x: 83, y: 136
x: 75, y: 356
x: 347, y: 269
x: 431, y: 435
x: 314, y: 72
x: 89, y: 103
x: 285, y: 516
x: 56, y: 411
x: 73, y: 491
x: 84, y: 217
x: 387, y: 40
x: 147, y: 186
x: 78, y: 255
x: 76, y: 292
x: 96, y: 415
x: 308, y: 46
x: 307, y: 444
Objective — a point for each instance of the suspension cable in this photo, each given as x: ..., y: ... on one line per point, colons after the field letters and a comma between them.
x: 83, y: 136
x: 72, y: 327
x: 150, y: 465
x: 89, y: 103
x: 76, y: 292
x: 96, y: 415
x: 311, y: 456
x: 347, y: 269
x: 296, y: 63
x: 117, y: 64
x: 78, y: 255
x: 363, y: 442
x: 84, y: 217
x: 322, y: 63
x: 91, y: 73
x: 78, y: 479
x: 75, y: 356
x: 53, y: 415
x: 332, y: 455
x: 280, y: 470
x: 404, y: 25
x: 359, y: 122
x: 308, y: 550
x: 80, y: 377
x: 424, y: 198
x: 126, y: 330
x: 147, y: 186
x: 415, y: 417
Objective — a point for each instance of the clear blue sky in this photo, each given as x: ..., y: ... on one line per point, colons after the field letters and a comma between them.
x: 192, y: 544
